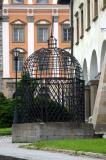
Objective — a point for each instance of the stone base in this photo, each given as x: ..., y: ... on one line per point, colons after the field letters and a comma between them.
x: 30, y: 132
x: 8, y: 87
x: 100, y: 128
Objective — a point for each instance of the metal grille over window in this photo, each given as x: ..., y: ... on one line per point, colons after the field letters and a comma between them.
x: 51, y: 89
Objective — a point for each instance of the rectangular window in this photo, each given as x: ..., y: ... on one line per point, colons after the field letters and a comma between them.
x: 18, y: 33
x: 104, y: 3
x: 95, y: 8
x: 88, y: 13
x: 17, y: 1
x: 82, y: 20
x: 66, y: 33
x: 43, y: 34
x: 42, y: 1
x: 77, y: 28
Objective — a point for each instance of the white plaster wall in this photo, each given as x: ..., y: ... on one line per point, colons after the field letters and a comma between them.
x: 5, y: 37
x: 54, y: 1
x: 55, y: 32
x: 93, y: 39
x: 30, y: 38
x: 5, y: 1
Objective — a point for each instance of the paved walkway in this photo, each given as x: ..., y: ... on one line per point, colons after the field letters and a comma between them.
x: 13, y: 150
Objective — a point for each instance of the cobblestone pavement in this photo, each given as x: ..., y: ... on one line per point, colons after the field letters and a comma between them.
x: 8, y: 148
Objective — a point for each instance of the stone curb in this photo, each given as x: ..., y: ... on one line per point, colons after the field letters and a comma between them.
x: 79, y: 153
x: 71, y: 152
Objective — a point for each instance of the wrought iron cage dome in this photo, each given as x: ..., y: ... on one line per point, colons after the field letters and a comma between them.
x: 52, y: 62
x: 52, y: 88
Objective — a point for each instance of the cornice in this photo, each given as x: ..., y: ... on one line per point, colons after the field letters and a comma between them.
x: 36, y: 7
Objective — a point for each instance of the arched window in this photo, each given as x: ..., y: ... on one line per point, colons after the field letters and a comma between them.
x: 20, y: 62
x: 17, y: 1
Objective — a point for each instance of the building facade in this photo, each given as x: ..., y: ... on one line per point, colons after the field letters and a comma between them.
x: 90, y: 50
x: 27, y: 25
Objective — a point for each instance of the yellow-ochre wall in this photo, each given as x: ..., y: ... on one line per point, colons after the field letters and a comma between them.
x: 43, y: 13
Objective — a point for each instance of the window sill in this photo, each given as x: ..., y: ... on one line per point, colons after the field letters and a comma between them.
x: 76, y: 43
x: 65, y: 41
x: 17, y: 4
x: 17, y: 42
x: 88, y: 28
x: 95, y: 18
x: 42, y: 42
x: 17, y: 72
x: 81, y: 37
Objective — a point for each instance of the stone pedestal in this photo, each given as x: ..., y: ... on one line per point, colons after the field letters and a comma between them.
x: 93, y: 92
x: 8, y: 87
x: 30, y: 132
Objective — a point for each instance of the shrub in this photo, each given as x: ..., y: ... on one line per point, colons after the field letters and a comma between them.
x: 6, y: 111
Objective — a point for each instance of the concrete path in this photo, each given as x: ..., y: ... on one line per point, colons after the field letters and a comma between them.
x: 13, y: 150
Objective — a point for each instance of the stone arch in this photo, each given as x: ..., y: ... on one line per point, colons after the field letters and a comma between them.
x: 103, y: 52
x: 85, y: 70
x: 93, y: 66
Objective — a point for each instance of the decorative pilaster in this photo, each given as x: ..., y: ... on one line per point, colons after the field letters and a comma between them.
x: 5, y: 38
x: 54, y: 1
x: 30, y: 34
x: 30, y: 1
x: 5, y: 1
x: 55, y: 28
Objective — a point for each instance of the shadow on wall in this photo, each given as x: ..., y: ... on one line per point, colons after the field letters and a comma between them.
x: 85, y: 71
x: 93, y: 66
x: 103, y: 52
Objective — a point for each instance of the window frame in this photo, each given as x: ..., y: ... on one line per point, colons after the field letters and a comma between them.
x: 43, y: 26
x: 66, y: 26
x: 13, y: 35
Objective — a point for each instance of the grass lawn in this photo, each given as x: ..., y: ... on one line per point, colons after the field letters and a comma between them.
x: 86, y: 145
x: 5, y: 131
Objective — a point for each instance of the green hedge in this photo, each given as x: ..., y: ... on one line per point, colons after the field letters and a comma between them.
x: 6, y: 111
